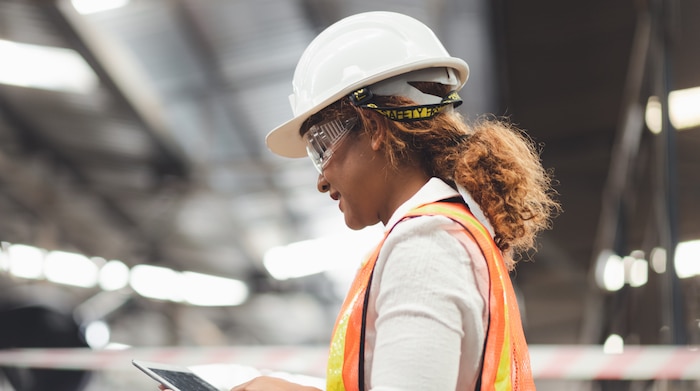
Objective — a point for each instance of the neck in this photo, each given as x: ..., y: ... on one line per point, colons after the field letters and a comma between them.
x: 402, y: 184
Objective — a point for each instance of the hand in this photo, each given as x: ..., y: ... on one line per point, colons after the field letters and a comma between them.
x: 267, y: 383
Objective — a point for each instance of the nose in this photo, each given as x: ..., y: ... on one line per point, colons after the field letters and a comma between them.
x: 322, y: 184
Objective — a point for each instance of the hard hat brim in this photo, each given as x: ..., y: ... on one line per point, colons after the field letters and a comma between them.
x: 285, y: 139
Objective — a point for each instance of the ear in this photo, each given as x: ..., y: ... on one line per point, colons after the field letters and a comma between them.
x: 377, y: 139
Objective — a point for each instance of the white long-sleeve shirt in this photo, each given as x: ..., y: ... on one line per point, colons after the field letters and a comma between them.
x: 426, y: 316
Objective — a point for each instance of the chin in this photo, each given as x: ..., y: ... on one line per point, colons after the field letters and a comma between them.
x: 358, y: 225
x: 354, y: 225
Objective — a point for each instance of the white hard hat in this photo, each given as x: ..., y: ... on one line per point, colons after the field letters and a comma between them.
x: 356, y: 52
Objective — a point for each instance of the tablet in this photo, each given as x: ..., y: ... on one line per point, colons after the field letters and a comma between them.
x: 175, y: 377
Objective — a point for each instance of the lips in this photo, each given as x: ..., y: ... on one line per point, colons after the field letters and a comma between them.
x: 336, y: 197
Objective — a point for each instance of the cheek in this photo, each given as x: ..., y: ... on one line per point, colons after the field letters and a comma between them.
x: 349, y: 174
x: 352, y: 169
x: 340, y: 165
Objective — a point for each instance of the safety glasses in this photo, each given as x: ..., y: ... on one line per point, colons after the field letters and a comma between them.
x: 323, y: 139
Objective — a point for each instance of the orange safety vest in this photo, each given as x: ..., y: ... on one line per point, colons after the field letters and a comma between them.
x: 506, y: 362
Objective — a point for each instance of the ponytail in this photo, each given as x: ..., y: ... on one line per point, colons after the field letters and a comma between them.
x: 500, y: 167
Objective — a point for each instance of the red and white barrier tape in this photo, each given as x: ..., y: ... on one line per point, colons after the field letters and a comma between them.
x: 575, y: 362
x: 303, y: 360
x: 634, y: 363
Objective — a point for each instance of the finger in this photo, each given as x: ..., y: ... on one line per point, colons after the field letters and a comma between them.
x: 242, y: 386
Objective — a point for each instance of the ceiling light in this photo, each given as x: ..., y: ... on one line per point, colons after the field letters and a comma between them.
x: 70, y: 269
x: 85, y: 7
x: 610, y: 271
x: 114, y: 275
x: 161, y: 283
x: 683, y: 110
x: 296, y: 259
x: 652, y: 115
x: 45, y: 67
x: 97, y: 334
x: 614, y: 344
x: 658, y: 259
x: 26, y: 261
x: 684, y: 106
x: 314, y: 256
x: 638, y: 272
x: 687, y: 259
x: 207, y: 290
x: 155, y: 282
x: 614, y: 274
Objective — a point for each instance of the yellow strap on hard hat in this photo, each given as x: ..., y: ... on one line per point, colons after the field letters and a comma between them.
x: 406, y: 113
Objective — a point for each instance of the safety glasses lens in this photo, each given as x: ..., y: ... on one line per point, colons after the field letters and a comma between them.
x: 322, y: 139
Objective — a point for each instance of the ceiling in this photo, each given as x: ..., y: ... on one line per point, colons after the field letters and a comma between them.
x: 164, y: 161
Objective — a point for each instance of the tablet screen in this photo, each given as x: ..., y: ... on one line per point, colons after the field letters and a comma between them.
x: 175, y: 377
x: 186, y: 381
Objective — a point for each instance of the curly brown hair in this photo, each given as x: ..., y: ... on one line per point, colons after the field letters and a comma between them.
x: 495, y: 161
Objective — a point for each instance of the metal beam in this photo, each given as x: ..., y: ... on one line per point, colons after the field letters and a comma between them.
x: 77, y: 217
x: 125, y: 82
x: 623, y: 156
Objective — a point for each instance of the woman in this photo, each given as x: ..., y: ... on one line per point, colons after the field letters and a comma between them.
x: 433, y: 308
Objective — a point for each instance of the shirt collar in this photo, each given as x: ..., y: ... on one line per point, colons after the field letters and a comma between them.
x: 435, y: 190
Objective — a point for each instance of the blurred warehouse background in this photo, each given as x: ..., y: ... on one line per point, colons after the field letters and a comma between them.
x: 135, y: 183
